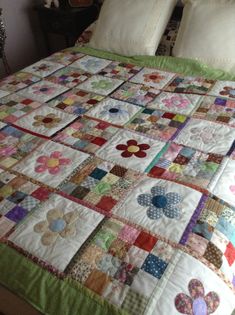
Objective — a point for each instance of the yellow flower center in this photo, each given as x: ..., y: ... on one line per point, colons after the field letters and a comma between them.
x: 53, y: 162
x: 133, y: 148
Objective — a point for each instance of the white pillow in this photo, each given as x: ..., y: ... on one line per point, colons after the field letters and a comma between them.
x: 131, y: 27
x: 207, y: 33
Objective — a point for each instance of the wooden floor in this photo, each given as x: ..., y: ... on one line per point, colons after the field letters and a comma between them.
x: 10, y: 304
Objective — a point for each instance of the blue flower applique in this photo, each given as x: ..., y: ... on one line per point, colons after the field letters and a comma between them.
x: 114, y: 111
x: 91, y: 63
x: 160, y: 203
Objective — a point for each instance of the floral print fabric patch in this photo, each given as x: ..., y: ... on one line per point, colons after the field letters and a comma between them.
x: 45, y: 120
x: 157, y: 124
x: 100, y: 85
x: 86, y: 134
x: 153, y: 78
x: 76, y: 102
x: 186, y: 165
x: 51, y: 163
x: 56, y: 230
x: 131, y: 150
x: 113, y: 111
x: 175, y: 103
x: 14, y: 106
x: 137, y: 94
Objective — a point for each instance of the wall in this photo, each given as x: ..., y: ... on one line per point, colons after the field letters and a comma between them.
x: 24, y: 44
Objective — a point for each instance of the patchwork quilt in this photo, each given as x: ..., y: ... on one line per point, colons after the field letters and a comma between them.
x: 117, y: 187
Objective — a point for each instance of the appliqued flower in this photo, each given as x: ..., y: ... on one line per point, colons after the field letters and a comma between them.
x: 102, y: 85
x: 160, y: 203
x: 197, y: 303
x: 48, y: 121
x: 57, y: 224
x: 91, y: 63
x: 43, y: 89
x: 206, y: 135
x: 133, y: 148
x: 176, y: 101
x: 42, y: 67
x: 52, y: 163
x: 153, y: 77
x: 114, y: 111
x: 228, y: 91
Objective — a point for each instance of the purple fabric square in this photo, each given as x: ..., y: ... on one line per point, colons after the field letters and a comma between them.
x: 220, y: 101
x: 16, y: 214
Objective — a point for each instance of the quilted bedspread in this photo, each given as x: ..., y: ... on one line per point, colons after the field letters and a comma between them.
x: 117, y: 188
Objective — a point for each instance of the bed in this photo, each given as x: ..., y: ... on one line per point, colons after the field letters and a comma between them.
x: 117, y: 187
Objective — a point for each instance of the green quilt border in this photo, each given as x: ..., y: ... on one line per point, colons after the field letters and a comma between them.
x: 173, y: 64
x: 47, y: 293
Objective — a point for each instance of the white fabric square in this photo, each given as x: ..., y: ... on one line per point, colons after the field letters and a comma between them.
x: 130, y: 150
x: 100, y: 85
x: 43, y: 91
x: 4, y: 93
x: 188, y: 277
x: 131, y: 27
x: 2, y: 125
x: 224, y: 88
x: 211, y: 43
x: 51, y: 163
x: 45, y: 120
x: 91, y: 64
x: 207, y: 136
x: 176, y: 102
x: 56, y: 230
x: 153, y: 77
x: 43, y: 68
x: 144, y: 283
x: 114, y: 111
x: 160, y: 206
x: 224, y: 185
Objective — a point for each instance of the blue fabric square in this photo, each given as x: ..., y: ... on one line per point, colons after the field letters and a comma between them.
x: 154, y: 265
x: 226, y: 228
x: 79, y: 110
x: 187, y: 152
x: 11, y: 131
x: 203, y: 229
x: 80, y: 144
x: 98, y: 173
x: 17, y: 197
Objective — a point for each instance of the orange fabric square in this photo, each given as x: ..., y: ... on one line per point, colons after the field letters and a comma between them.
x: 230, y: 253
x: 145, y: 241
x: 97, y: 281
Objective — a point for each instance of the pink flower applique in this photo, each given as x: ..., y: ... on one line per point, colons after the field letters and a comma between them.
x: 176, y: 101
x: 232, y: 188
x: 197, y: 303
x: 52, y: 163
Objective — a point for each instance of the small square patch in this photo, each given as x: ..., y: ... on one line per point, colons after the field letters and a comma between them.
x: 184, y: 104
x: 100, y: 85
x: 45, y: 121
x: 51, y: 163
x: 86, y: 134
x: 155, y: 266
x: 76, y: 102
x: 153, y: 78
x: 131, y: 150
x: 137, y: 94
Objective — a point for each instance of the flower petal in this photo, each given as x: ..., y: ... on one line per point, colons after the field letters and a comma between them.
x: 172, y: 211
x: 140, y: 154
x: 54, y: 170
x: 54, y: 214
x: 42, y: 159
x: 64, y: 161
x: 196, y: 289
x: 144, y: 146
x: 184, y: 304
x: 56, y: 155
x: 212, y: 301
x: 121, y: 147
x: 132, y: 142
x: 154, y: 213
x: 157, y: 190
x: 70, y: 230
x: 126, y: 154
x: 145, y: 200
x: 71, y: 216
x: 173, y: 198
x: 49, y: 238
x: 40, y: 168
x: 41, y: 227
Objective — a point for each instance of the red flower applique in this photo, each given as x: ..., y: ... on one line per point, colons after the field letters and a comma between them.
x: 133, y: 148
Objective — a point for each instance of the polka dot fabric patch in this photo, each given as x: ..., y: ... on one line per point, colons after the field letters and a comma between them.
x: 100, y: 184
x: 76, y: 102
x: 157, y: 124
x: 86, y: 134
